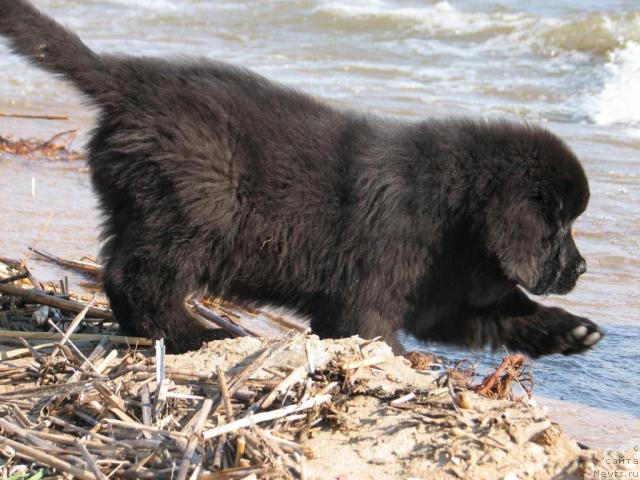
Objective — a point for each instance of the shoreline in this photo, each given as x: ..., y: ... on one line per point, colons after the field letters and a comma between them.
x: 594, y: 427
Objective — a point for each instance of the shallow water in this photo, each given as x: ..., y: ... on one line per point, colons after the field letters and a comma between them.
x: 573, y: 65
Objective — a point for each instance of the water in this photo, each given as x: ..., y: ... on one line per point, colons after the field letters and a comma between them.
x: 573, y: 65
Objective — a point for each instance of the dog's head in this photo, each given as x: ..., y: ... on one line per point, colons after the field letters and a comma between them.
x: 530, y: 216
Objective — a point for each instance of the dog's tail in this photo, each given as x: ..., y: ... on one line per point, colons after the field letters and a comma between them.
x: 52, y: 47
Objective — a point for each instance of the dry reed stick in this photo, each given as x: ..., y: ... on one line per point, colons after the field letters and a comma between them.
x: 43, y: 231
x: 365, y: 362
x: 78, y: 337
x: 188, y: 457
x: 145, y: 399
x: 61, y: 345
x: 94, y: 269
x: 34, y: 116
x: 295, y: 376
x: 220, y: 321
x: 38, y: 296
x: 30, y: 453
x: 133, y: 425
x: 72, y: 326
x: 20, y: 352
x: 264, y: 417
x: 86, y: 456
x: 224, y: 391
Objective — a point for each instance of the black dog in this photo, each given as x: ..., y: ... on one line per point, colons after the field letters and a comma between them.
x: 212, y: 178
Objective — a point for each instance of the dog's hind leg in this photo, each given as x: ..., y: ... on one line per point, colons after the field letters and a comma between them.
x: 148, y: 299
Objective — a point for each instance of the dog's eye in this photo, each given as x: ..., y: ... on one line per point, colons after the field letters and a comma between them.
x: 555, y: 232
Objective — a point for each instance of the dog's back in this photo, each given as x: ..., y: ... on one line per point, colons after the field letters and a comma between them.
x: 195, y: 121
x: 208, y: 175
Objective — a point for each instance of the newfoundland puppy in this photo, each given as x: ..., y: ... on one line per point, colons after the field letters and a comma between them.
x: 215, y: 179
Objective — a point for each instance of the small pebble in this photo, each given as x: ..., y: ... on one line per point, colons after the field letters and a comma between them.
x: 464, y: 400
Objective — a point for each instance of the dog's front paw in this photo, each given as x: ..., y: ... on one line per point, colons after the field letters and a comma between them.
x: 568, y: 334
x: 581, y: 337
x: 558, y: 331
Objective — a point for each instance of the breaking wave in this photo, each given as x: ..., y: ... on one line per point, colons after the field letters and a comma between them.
x: 600, y: 50
x: 618, y: 101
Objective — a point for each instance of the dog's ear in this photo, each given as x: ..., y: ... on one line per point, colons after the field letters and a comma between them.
x: 515, y: 229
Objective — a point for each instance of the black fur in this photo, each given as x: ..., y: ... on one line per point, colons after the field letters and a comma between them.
x: 213, y: 178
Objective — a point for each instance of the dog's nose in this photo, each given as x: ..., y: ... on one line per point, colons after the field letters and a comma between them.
x: 581, y: 267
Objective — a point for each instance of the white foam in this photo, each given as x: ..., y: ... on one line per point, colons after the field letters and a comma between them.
x: 619, y: 99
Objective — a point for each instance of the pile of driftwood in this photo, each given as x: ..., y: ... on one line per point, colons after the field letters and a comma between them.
x: 57, y: 147
x: 77, y: 399
x: 97, y: 410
